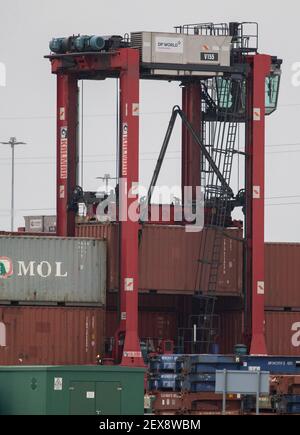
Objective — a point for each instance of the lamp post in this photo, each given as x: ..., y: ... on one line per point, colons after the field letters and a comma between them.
x: 106, y: 178
x: 12, y: 143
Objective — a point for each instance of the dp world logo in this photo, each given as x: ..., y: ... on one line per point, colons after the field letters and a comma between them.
x: 6, y: 267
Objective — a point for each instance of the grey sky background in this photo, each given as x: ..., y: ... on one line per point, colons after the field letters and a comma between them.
x: 28, y: 102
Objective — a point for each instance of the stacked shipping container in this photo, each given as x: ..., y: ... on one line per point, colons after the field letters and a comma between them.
x: 282, y: 303
x: 169, y: 258
x: 169, y: 263
x: 283, y: 298
x: 51, y: 335
x: 37, y: 274
x: 173, y: 255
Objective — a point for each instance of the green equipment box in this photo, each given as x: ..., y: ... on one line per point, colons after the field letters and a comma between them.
x: 73, y: 390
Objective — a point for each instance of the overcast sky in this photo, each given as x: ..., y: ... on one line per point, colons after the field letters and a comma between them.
x: 27, y: 103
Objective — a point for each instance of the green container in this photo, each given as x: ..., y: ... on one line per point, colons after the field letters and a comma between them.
x: 71, y: 390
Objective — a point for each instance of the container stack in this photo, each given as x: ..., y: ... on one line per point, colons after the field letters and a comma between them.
x: 52, y: 300
x: 169, y: 258
x: 186, y: 383
x: 282, y: 304
x: 165, y: 373
x: 199, y: 371
x: 283, y: 298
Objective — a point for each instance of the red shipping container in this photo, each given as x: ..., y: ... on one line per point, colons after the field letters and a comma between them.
x: 283, y: 332
x: 152, y: 324
x: 230, y: 330
x: 169, y: 258
x: 282, y: 329
x: 50, y: 335
x: 282, y: 275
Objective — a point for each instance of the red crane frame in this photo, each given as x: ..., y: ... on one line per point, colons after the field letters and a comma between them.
x: 125, y: 64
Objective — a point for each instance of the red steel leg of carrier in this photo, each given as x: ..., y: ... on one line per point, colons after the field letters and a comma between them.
x: 67, y: 118
x: 255, y: 172
x: 191, y: 106
x: 128, y: 203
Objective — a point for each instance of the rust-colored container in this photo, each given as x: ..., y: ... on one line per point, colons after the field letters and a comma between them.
x: 282, y: 275
x: 152, y: 324
x: 157, y: 325
x: 283, y: 332
x: 50, y: 335
x: 169, y: 258
x: 282, y: 329
x: 230, y: 330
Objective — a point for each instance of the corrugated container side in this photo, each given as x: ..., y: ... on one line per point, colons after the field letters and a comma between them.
x: 44, y: 335
x: 34, y: 224
x: 282, y: 275
x: 50, y: 224
x: 108, y: 232
x: 230, y: 330
x: 39, y: 224
x: 39, y: 269
x: 169, y: 258
x: 283, y: 332
x: 155, y: 325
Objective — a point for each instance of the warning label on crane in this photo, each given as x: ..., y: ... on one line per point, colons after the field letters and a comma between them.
x: 260, y: 287
x: 135, y: 109
x: 128, y: 284
x: 256, y: 192
x: 61, y: 191
x: 256, y: 114
x: 132, y: 354
x: 62, y: 114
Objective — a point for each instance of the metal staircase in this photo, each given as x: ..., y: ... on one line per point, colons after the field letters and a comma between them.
x: 221, y: 102
x: 221, y: 145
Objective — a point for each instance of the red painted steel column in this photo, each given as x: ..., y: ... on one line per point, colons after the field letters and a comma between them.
x: 255, y: 180
x: 67, y: 119
x: 191, y: 106
x: 129, y: 225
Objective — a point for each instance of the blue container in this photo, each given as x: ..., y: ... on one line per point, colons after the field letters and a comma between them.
x: 209, y: 363
x: 165, y: 363
x: 202, y: 387
x: 165, y: 382
x: 202, y: 377
x: 289, y: 404
x: 208, y: 358
x: 196, y: 387
x: 211, y: 368
x: 199, y: 382
x: 292, y: 398
x: 273, y: 364
x: 293, y: 408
